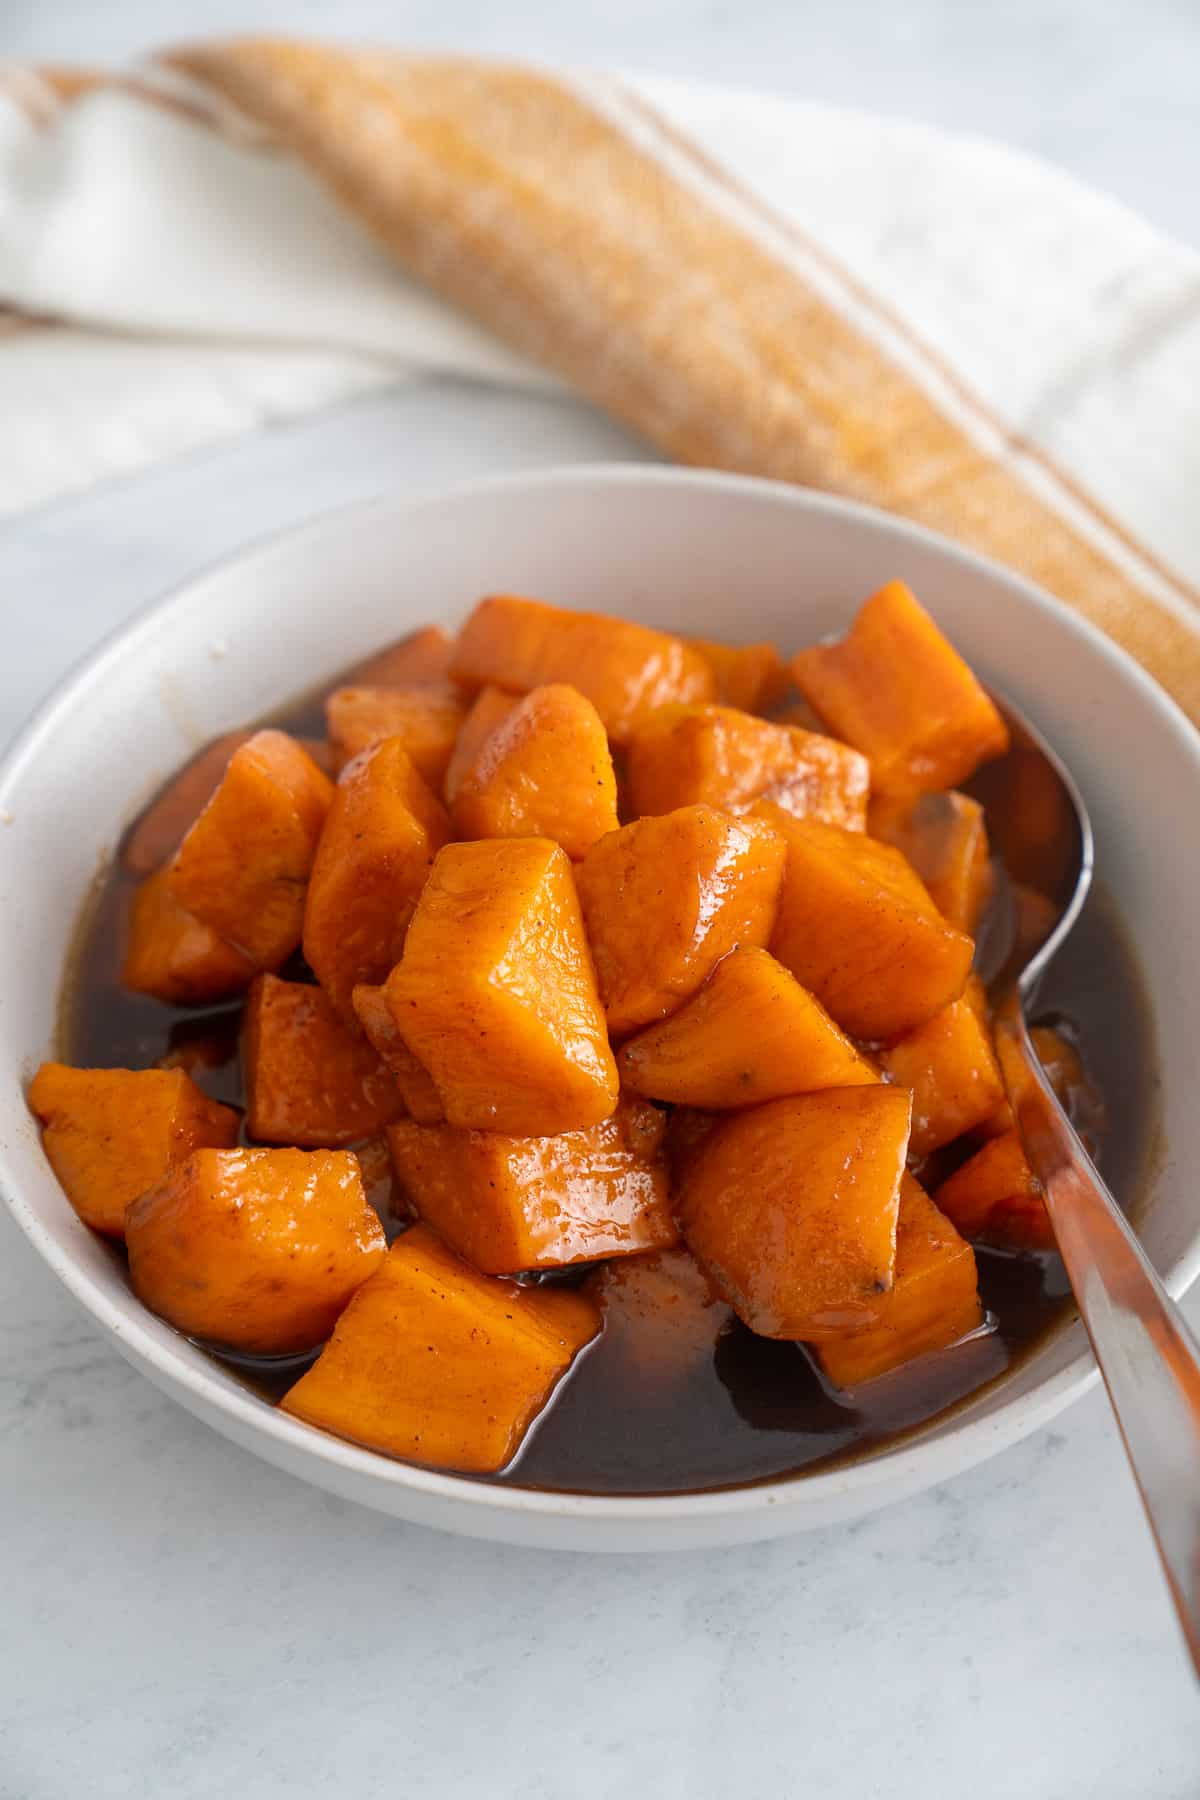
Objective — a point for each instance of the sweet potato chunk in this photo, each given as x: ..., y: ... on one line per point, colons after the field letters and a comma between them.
x: 1064, y: 1070
x: 310, y: 1080
x: 496, y: 992
x: 662, y: 1317
x: 544, y: 771
x: 899, y: 692
x: 856, y: 926
x: 158, y: 833
x: 440, y: 1365
x: 259, y: 1250
x: 514, y: 1203
x: 716, y: 755
x: 751, y: 1034
x: 383, y: 831
x: 625, y: 670
x: 243, y: 866
x: 174, y: 957
x: 951, y: 1069
x: 753, y: 677
x: 426, y: 719
x: 944, y: 837
x: 417, y: 1091
x: 491, y: 705
x: 997, y: 1199
x: 665, y: 898
x: 109, y: 1134
x: 791, y: 1208
x: 421, y: 656
x: 934, y: 1300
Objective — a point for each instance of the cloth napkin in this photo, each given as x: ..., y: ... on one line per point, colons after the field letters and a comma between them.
x: 937, y: 326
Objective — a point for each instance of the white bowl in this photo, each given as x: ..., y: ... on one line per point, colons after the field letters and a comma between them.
x: 710, y: 554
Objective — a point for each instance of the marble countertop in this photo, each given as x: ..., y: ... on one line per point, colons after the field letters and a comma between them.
x: 180, y: 1619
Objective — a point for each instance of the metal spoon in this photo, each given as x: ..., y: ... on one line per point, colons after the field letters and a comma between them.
x: 1147, y: 1354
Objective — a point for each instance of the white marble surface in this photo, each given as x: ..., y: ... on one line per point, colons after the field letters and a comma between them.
x: 182, y: 1621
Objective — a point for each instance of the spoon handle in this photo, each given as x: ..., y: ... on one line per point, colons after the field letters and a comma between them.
x: 1147, y: 1355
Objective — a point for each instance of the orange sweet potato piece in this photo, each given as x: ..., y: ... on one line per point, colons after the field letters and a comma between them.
x: 951, y: 1069
x: 1064, y: 1070
x: 383, y: 831
x: 159, y: 831
x: 496, y: 992
x: 662, y: 1317
x: 310, y: 1080
x: 995, y: 1198
x: 259, y: 1250
x: 243, y: 866
x: 109, y: 1134
x: 425, y: 718
x: 514, y: 1203
x: 544, y: 771
x: 897, y: 690
x: 753, y: 677
x: 856, y: 926
x: 791, y: 1208
x: 934, y: 1300
x: 421, y: 656
x: 682, y: 755
x: 625, y: 670
x: 438, y: 1364
x: 752, y: 1033
x: 420, y: 1097
x: 944, y: 837
x: 175, y: 958
x: 665, y: 898
x: 491, y: 705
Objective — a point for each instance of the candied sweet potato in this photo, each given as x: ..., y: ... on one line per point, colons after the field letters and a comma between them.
x: 951, y: 1069
x: 1063, y: 1067
x: 996, y: 1198
x: 514, y: 1203
x: 383, y: 831
x: 666, y: 897
x: 496, y: 991
x: 791, y: 1208
x: 625, y: 670
x: 159, y: 831
x: 258, y: 1250
x: 175, y: 958
x: 934, y: 1300
x: 856, y: 926
x: 944, y: 837
x: 662, y: 1317
x: 896, y: 689
x: 752, y: 1033
x: 109, y: 1134
x: 417, y: 1091
x: 753, y: 677
x: 243, y: 866
x: 309, y: 1079
x: 543, y: 771
x: 426, y: 719
x: 438, y: 1364
x: 683, y: 755
x: 490, y: 706
x: 421, y: 656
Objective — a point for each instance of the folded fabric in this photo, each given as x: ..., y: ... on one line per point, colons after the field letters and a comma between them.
x: 940, y: 328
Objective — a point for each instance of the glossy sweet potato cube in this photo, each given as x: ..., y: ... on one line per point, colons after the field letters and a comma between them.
x: 421, y: 656
x: 173, y: 957
x: 438, y: 1364
x: 420, y: 1097
x: 934, y: 1300
x: 243, y: 866
x: 425, y: 718
x: 625, y: 670
x: 944, y: 837
x: 544, y: 771
x: 950, y: 1068
x: 995, y: 1198
x: 791, y: 1208
x: 897, y: 690
x: 490, y: 706
x: 496, y: 992
x: 684, y: 755
x: 752, y: 1033
x: 160, y: 830
x: 856, y: 927
x: 109, y: 1134
x: 258, y: 1250
x: 310, y: 1080
x: 753, y: 677
x: 514, y: 1203
x: 665, y: 898
x: 662, y: 1318
x: 1063, y: 1067
x: 383, y: 831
